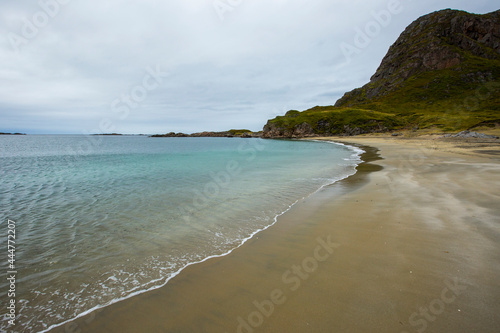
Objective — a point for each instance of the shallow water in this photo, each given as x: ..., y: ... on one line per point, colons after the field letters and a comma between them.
x: 102, y: 218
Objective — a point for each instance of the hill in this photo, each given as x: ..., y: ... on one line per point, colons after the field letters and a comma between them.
x: 442, y: 73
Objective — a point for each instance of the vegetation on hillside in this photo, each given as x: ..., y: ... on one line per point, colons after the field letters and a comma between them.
x: 449, y: 81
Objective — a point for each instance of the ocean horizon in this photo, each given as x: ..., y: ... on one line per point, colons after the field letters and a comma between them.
x: 101, y: 219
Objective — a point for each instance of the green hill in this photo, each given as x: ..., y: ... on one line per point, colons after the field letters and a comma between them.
x: 443, y: 73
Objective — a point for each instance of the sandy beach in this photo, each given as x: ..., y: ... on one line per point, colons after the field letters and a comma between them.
x: 411, y: 243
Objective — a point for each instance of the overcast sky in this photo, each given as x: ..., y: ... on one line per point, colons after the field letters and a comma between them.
x: 155, y: 66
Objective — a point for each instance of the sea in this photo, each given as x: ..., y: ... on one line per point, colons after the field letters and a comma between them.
x: 98, y: 219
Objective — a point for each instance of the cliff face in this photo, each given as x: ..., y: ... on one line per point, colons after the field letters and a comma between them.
x: 299, y: 131
x: 437, y: 41
x: 430, y: 77
x: 327, y: 121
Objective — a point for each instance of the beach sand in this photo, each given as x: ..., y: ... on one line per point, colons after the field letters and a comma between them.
x: 411, y: 247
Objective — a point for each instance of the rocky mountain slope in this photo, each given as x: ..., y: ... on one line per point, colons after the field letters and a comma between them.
x: 443, y: 72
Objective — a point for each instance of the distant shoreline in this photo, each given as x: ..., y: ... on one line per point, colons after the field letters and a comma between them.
x: 2, y: 133
x: 240, y: 133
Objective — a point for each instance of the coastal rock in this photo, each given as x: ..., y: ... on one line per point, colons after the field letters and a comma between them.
x: 169, y: 135
x: 443, y: 73
x: 300, y: 131
x: 470, y: 134
x: 322, y: 128
x: 211, y: 135
x: 225, y: 134
x: 437, y: 41
x: 3, y: 133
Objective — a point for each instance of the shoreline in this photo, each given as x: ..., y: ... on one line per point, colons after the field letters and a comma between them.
x: 360, y: 150
x: 256, y: 279
x: 470, y: 147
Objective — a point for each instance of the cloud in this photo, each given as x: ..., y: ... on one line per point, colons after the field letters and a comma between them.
x: 64, y: 62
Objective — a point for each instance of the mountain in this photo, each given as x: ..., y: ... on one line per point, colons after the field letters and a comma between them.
x: 442, y: 73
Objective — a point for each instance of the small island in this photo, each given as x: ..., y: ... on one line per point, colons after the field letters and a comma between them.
x: 233, y: 133
x: 2, y: 133
x: 108, y: 134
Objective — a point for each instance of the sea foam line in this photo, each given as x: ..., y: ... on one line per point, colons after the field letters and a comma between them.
x: 358, y: 151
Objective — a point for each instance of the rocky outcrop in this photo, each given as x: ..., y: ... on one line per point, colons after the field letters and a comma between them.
x: 212, y: 135
x: 226, y: 134
x: 170, y: 135
x: 108, y: 134
x: 442, y: 73
x: 440, y: 40
x: 470, y: 134
x: 321, y: 128
x: 300, y: 131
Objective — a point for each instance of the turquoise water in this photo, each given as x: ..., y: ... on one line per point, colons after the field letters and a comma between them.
x: 100, y: 219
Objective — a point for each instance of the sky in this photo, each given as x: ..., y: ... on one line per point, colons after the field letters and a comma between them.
x: 156, y: 66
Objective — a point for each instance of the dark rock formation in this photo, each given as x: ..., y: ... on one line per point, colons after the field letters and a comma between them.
x: 469, y: 134
x: 443, y: 72
x: 300, y: 131
x: 226, y: 134
x: 170, y: 135
x: 436, y: 41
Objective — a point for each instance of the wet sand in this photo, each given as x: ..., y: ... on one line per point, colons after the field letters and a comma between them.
x: 412, y: 247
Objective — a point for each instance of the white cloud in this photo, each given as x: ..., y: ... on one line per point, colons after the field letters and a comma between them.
x: 264, y: 58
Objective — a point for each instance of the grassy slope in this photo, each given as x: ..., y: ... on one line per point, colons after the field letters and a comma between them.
x: 451, y: 99
x: 454, y: 99
x: 447, y: 100
x: 239, y: 132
